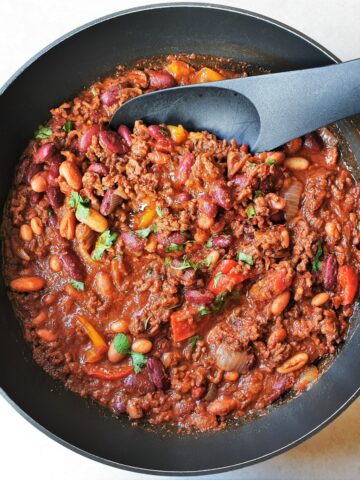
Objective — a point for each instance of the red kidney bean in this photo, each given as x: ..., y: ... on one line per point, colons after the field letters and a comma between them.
x: 161, y: 80
x: 53, y: 173
x: 164, y: 145
x: 35, y: 198
x: 175, y: 238
x: 221, y: 195
x: 313, y: 143
x: 241, y: 181
x: 182, y: 197
x: 125, y: 133
x: 44, y: 153
x: 98, y: 168
x: 158, y: 132
x: 158, y: 374
x: 109, y: 202
x: 132, y: 241
x: 113, y: 142
x: 207, y: 206
x: 73, y: 264
x: 184, y: 169
x: 53, y: 220
x: 199, y: 297
x: 86, y: 139
x: 55, y: 196
x: 329, y: 272
x: 222, y: 242
x: 278, y: 217
x: 138, y: 383
x: 33, y: 169
x: 110, y: 96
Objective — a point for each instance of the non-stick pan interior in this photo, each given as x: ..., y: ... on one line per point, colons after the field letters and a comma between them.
x: 58, y: 74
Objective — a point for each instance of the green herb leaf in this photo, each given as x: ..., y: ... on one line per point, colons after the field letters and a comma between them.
x: 217, y: 278
x: 316, y: 264
x: 138, y: 360
x: 270, y: 161
x: 251, y: 212
x: 203, y: 311
x: 43, y: 132
x: 193, y: 341
x: 144, y: 232
x: 251, y: 164
x: 68, y: 126
x: 174, y: 248
x: 103, y: 243
x: 81, y: 204
x: 159, y: 212
x: 122, y: 344
x: 186, y: 263
x: 209, y: 243
x: 246, y: 258
x: 78, y: 285
x: 219, y: 301
x: 167, y: 262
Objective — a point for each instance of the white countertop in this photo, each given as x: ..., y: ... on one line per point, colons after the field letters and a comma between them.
x: 26, y: 26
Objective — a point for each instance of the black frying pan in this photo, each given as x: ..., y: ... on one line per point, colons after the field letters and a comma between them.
x: 58, y: 73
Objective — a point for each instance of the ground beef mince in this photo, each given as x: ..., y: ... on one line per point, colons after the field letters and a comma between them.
x: 170, y: 275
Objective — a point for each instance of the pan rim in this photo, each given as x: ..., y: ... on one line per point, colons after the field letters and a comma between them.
x: 3, y: 89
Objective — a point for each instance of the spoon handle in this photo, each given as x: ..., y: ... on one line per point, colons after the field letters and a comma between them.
x: 291, y: 104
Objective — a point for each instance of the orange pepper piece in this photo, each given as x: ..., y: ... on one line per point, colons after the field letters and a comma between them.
x: 179, y: 70
x: 178, y: 134
x: 145, y: 218
x: 100, y: 347
x: 207, y: 75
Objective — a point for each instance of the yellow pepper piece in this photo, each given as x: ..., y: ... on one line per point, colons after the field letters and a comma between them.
x: 100, y: 347
x: 179, y: 70
x: 207, y: 75
x: 178, y: 134
x: 145, y: 218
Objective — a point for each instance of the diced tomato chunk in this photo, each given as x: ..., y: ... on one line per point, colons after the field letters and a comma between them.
x: 108, y: 373
x: 347, y: 283
x: 183, y: 324
x: 223, y: 280
x: 272, y: 284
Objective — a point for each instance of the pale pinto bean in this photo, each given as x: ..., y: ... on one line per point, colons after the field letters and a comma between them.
x: 297, y: 163
x: 231, y: 376
x: 277, y: 157
x: 103, y: 284
x: 277, y: 336
x: 120, y: 326
x: 222, y: 407
x: 68, y: 225
x: 40, y: 318
x: 28, y: 284
x: 320, y: 299
x: 39, y: 182
x: 280, y: 303
x: 142, y: 346
x: 36, y: 225
x: 26, y: 233
x: 285, y: 238
x: 95, y: 221
x: 332, y: 231
x: 73, y: 293
x: 296, y: 362
x: 113, y: 355
x: 55, y: 263
x: 71, y: 173
x: 46, y: 335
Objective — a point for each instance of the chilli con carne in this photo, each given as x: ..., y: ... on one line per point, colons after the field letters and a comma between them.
x: 173, y: 276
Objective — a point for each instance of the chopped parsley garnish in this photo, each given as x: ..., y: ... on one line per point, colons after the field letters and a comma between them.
x: 78, y: 285
x: 316, y: 264
x: 43, y: 132
x: 68, y: 126
x: 246, y: 258
x: 159, y: 212
x: 167, y: 262
x: 193, y: 341
x: 186, y: 263
x: 219, y: 301
x: 251, y: 212
x: 122, y: 346
x: 207, y: 261
x: 145, y: 232
x: 209, y: 243
x: 217, y: 278
x: 251, y: 164
x: 174, y: 248
x: 203, y: 311
x: 270, y: 161
x: 103, y: 243
x: 81, y: 204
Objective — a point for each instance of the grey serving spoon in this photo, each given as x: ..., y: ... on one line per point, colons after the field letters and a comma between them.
x: 264, y: 111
